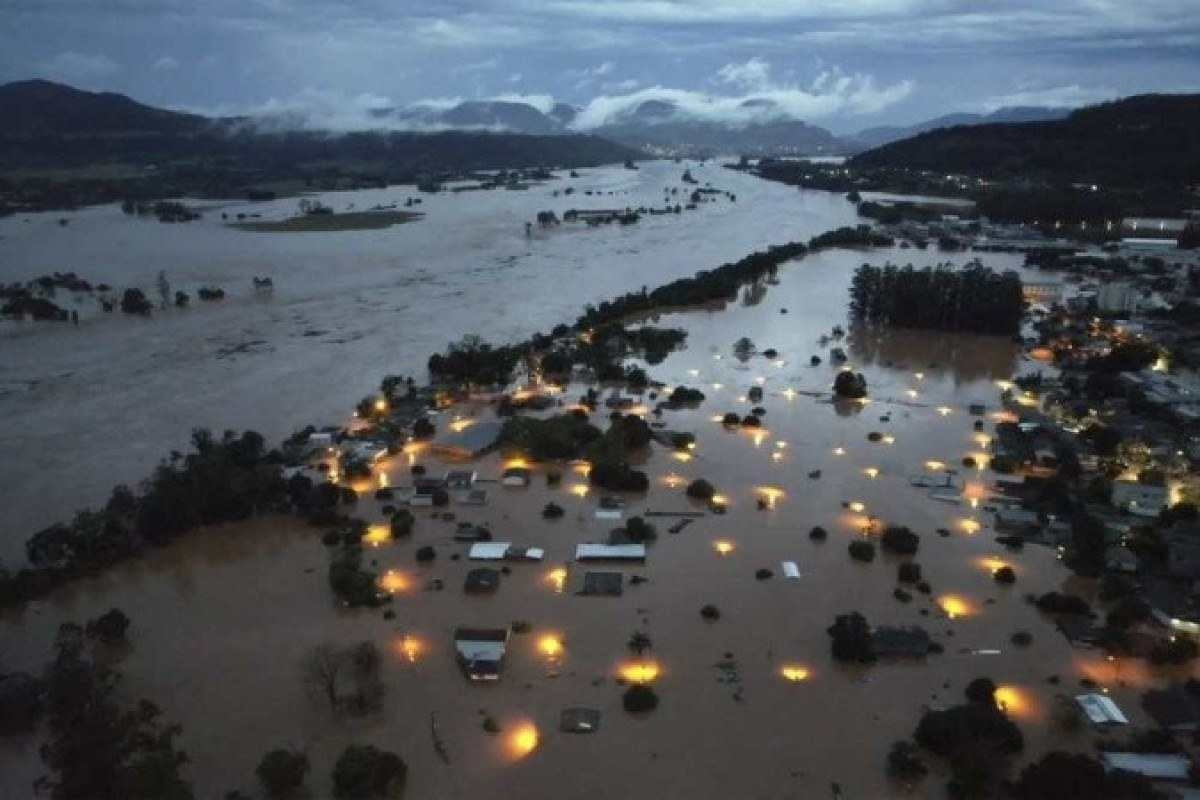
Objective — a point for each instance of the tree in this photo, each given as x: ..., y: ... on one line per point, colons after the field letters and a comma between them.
x: 1058, y: 775
x: 109, y: 627
x: 96, y: 748
x: 904, y: 764
x: 282, y: 771
x: 700, y: 489
x: 364, y: 771
x: 402, y: 523
x: 133, y: 301
x: 899, y: 539
x: 851, y: 638
x: 850, y: 385
x: 862, y: 550
x: 639, y: 642
x: 1086, y: 552
x: 164, y: 289
x: 639, y: 699
x: 320, y: 670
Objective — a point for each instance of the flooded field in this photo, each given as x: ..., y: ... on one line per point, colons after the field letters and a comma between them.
x: 222, y: 621
x: 90, y: 406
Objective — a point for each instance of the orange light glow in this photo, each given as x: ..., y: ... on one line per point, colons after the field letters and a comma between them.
x: 681, y: 456
x: 777, y: 456
x: 759, y: 438
x: 393, y: 582
x: 723, y: 547
x: 583, y: 468
x: 381, y: 405
x: 639, y: 671
x: 579, y: 489
x: 378, y: 533
x: 523, y: 740
x: 969, y: 525
x: 991, y: 563
x: 516, y: 463
x: 982, y: 439
x: 771, y: 494
x: 383, y: 480
x: 954, y: 606
x: 720, y: 500
x: 794, y: 673
x: 557, y: 578
x: 459, y: 425
x: 1012, y: 700
x: 550, y: 646
x: 671, y: 480
x: 410, y: 647
x: 856, y: 506
x: 871, y: 472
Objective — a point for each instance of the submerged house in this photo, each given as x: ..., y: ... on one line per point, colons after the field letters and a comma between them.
x: 1101, y: 710
x: 470, y: 441
x: 1141, y: 499
x: 610, y: 552
x: 481, y: 651
x: 913, y: 642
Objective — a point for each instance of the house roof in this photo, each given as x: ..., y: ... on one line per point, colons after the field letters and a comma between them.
x: 1156, y: 766
x: 472, y: 440
x: 610, y: 552
x: 482, y: 580
x: 602, y: 583
x: 1101, y: 710
x: 912, y: 642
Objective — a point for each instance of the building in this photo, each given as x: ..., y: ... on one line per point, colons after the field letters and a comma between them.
x: 1116, y: 297
x: 481, y: 651
x: 610, y: 552
x: 1142, y: 499
x: 1046, y: 293
x: 468, y: 441
x: 504, y: 551
x: 1101, y: 710
x: 1155, y: 766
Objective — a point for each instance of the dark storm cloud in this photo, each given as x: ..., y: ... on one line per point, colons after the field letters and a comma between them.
x: 839, y: 63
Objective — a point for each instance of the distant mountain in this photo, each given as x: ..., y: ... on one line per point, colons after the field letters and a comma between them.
x: 874, y: 137
x: 1145, y: 140
x: 41, y: 108
x: 659, y: 126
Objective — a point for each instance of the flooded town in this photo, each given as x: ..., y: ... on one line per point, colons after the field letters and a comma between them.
x: 575, y: 455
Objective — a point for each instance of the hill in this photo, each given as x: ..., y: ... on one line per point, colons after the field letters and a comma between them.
x: 41, y: 108
x: 875, y: 137
x: 1142, y: 141
x: 63, y: 147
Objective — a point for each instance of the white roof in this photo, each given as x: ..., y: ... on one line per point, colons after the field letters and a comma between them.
x: 488, y: 551
x: 790, y: 570
x: 1156, y: 766
x: 1101, y: 710
x: 613, y: 552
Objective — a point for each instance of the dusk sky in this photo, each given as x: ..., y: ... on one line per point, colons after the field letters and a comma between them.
x: 843, y: 64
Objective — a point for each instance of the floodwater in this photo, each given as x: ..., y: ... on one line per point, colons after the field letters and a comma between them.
x: 85, y: 408
x: 222, y: 621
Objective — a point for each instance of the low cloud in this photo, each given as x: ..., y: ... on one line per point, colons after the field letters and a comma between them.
x: 165, y: 64
x: 1067, y: 96
x: 831, y: 92
x: 542, y: 102
x: 80, y: 67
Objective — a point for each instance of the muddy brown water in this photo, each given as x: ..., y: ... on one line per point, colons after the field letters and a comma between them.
x: 222, y: 620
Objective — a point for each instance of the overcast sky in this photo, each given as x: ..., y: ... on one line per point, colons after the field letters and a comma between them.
x: 844, y: 64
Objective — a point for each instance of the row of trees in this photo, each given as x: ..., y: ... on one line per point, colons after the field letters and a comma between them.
x: 974, y: 299
x: 222, y: 480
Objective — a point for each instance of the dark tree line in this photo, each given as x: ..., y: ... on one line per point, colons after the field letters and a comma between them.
x: 974, y: 299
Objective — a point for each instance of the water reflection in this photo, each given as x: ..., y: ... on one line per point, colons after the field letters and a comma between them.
x: 963, y: 357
